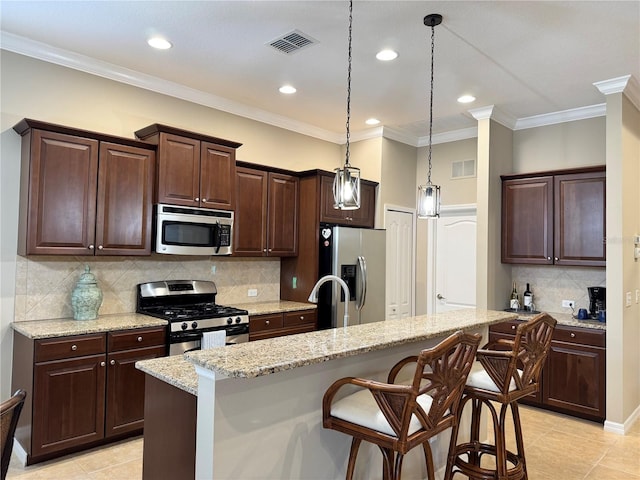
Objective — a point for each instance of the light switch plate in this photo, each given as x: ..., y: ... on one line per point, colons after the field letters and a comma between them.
x: 628, y: 300
x: 252, y: 292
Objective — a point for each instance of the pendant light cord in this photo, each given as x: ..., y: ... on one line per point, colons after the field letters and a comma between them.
x: 349, y: 84
x: 433, y: 29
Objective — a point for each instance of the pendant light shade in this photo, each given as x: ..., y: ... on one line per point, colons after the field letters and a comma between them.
x: 346, y: 184
x: 429, y: 194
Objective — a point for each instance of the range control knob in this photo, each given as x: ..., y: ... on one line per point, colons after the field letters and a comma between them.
x: 194, y: 325
x: 184, y: 325
x: 238, y: 319
x: 229, y: 321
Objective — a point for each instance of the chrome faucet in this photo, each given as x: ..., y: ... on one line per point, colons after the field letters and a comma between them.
x: 313, y: 297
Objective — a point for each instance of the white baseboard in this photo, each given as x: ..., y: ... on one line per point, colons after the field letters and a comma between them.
x: 20, y: 452
x: 622, y: 428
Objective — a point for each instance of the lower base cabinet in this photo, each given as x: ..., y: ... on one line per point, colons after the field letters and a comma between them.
x: 574, y: 374
x: 279, y: 324
x: 82, y: 390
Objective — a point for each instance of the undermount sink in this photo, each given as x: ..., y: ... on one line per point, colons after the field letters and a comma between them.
x: 530, y: 312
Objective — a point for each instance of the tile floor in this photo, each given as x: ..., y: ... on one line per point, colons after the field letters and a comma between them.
x: 558, y: 447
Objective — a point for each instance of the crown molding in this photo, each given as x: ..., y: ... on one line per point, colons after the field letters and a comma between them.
x: 626, y: 84
x: 400, y: 136
x: 491, y: 112
x: 47, y: 53
x: 563, y: 116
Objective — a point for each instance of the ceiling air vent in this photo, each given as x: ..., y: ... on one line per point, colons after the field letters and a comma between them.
x: 292, y: 42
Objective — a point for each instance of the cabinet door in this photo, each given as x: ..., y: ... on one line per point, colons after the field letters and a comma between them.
x: 365, y: 215
x: 329, y: 214
x: 575, y: 379
x: 125, y: 390
x: 124, y: 208
x: 62, y: 194
x: 580, y: 220
x: 250, y: 224
x: 527, y: 221
x: 178, y: 170
x: 217, y: 176
x: 68, y: 403
x: 283, y: 215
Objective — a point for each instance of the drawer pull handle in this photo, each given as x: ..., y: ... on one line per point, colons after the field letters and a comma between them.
x: 102, y: 364
x: 112, y: 362
x: 573, y: 335
x: 74, y: 347
x: 139, y: 339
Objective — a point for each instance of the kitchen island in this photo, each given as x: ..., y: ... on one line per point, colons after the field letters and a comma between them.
x: 259, y: 403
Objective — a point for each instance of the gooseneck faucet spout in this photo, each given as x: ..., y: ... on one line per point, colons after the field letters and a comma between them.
x: 313, y: 297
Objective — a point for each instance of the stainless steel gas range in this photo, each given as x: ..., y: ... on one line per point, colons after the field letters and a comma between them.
x: 191, y: 309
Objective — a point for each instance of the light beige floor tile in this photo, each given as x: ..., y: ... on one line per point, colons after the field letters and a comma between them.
x: 126, y: 471
x: 604, y: 473
x: 624, y: 455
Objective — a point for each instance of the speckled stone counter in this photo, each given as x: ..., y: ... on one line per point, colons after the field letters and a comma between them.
x: 567, y: 320
x: 264, y: 308
x: 174, y: 370
x: 255, y: 359
x: 63, y: 327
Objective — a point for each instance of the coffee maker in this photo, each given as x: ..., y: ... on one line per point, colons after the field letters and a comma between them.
x: 597, y: 300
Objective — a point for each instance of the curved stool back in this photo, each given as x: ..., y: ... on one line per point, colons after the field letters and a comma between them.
x: 9, y: 414
x: 398, y: 417
x: 511, y: 370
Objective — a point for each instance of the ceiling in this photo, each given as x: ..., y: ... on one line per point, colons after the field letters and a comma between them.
x: 527, y: 58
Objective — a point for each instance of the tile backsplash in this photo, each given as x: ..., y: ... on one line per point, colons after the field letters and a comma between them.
x: 44, y: 283
x: 551, y: 284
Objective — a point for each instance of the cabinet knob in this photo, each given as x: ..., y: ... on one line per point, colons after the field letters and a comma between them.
x: 301, y: 317
x: 266, y: 322
x: 112, y: 362
x: 548, y: 258
x: 573, y: 335
x: 74, y: 347
x: 197, y: 199
x: 264, y: 250
x: 91, y: 247
x: 556, y: 259
x: 513, y: 327
x: 271, y: 249
x: 100, y: 247
x: 102, y: 364
x: 139, y: 339
x: 204, y: 200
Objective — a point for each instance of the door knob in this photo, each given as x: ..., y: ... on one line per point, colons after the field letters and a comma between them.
x: 440, y: 297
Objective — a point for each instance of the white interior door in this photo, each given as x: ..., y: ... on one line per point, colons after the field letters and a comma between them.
x: 455, y: 252
x: 400, y: 291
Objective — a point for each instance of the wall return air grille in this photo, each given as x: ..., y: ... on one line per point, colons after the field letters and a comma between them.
x: 292, y: 42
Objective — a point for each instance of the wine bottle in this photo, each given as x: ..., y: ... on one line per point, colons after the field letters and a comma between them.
x: 527, y: 299
x: 514, y: 304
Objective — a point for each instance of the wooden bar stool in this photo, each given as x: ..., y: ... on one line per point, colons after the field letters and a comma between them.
x: 398, y: 417
x: 511, y: 370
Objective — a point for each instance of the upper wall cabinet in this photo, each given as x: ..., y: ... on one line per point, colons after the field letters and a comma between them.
x: 558, y: 218
x: 194, y: 170
x: 83, y: 193
x: 266, y: 222
x: 362, y: 217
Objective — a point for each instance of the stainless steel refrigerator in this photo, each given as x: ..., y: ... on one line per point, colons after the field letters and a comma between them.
x: 357, y: 255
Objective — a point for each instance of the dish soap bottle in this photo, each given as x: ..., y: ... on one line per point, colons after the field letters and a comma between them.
x: 514, y: 304
x: 86, y: 297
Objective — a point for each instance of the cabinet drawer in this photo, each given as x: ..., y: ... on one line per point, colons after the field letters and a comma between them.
x: 299, y: 318
x: 583, y: 336
x: 265, y: 322
x: 505, y: 327
x: 138, y: 338
x: 69, y: 347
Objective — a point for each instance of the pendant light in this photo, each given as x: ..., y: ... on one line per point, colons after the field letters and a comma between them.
x: 429, y: 194
x: 346, y: 184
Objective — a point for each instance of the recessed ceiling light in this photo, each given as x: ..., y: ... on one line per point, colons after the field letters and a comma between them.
x: 159, y: 43
x: 288, y: 89
x: 372, y: 121
x: 466, y: 99
x: 386, y: 55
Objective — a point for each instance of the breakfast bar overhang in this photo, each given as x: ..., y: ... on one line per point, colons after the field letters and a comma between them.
x: 259, y: 406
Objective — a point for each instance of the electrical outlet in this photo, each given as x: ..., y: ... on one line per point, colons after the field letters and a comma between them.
x: 252, y: 292
x: 637, y: 295
x: 213, y: 269
x: 568, y: 303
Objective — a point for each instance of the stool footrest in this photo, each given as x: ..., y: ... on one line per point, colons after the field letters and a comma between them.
x: 516, y: 472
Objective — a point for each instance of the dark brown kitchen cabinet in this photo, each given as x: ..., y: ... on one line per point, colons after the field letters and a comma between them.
x: 557, y: 218
x: 574, y: 376
x: 194, y: 170
x: 266, y: 220
x: 362, y: 217
x: 280, y: 324
x: 83, y: 193
x: 84, y: 390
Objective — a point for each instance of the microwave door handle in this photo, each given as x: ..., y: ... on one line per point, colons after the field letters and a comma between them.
x: 362, y: 264
x: 217, y: 237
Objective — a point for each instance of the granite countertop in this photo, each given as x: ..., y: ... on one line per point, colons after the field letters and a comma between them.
x: 174, y: 370
x: 264, y: 357
x: 63, y: 327
x: 567, y: 320
x: 263, y: 308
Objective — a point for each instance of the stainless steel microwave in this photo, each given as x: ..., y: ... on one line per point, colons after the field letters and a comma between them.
x: 193, y: 231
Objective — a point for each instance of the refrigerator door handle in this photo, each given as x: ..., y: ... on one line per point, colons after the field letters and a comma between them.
x: 362, y: 265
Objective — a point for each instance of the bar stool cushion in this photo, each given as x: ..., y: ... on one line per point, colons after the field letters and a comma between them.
x: 361, y: 408
x: 481, y: 379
